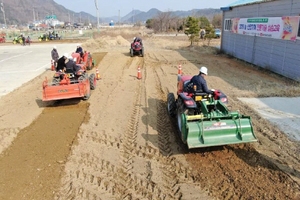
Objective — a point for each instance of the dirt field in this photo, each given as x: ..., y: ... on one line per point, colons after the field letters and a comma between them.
x: 121, y: 144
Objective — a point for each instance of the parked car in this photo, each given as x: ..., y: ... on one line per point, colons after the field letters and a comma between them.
x: 218, y: 33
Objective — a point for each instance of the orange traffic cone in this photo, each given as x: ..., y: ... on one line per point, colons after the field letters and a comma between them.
x: 52, y: 65
x: 139, y: 74
x: 97, y: 74
x: 179, y: 70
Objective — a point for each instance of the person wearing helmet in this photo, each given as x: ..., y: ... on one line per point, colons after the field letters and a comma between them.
x: 54, y: 55
x: 137, y: 39
x: 199, y: 82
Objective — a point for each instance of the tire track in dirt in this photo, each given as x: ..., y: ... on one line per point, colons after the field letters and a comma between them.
x: 128, y: 144
x: 170, y: 177
x: 88, y: 162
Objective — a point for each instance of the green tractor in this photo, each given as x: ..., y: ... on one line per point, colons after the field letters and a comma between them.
x: 44, y: 37
x: 17, y: 40
x: 203, y: 120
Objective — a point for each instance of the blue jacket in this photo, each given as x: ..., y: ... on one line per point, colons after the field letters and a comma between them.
x: 200, y: 82
x: 79, y: 50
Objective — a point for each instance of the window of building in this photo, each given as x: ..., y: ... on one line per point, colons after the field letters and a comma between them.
x: 299, y: 30
x: 228, y: 25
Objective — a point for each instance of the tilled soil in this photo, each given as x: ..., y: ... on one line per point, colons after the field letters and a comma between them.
x: 121, y: 143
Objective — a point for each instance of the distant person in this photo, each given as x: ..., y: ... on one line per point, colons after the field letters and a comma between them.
x: 23, y: 40
x: 54, y: 55
x: 202, y: 34
x: 79, y: 50
x: 137, y: 39
x: 28, y: 40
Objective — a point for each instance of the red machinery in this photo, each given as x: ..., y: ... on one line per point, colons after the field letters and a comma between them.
x: 69, y: 85
x: 86, y: 61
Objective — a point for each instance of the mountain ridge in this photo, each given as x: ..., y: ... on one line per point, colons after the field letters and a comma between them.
x: 26, y: 11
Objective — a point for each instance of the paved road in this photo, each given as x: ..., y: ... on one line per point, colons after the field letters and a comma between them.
x: 20, y: 64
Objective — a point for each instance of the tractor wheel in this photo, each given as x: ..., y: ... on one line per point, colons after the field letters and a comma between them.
x: 180, y: 123
x: 171, y: 105
x: 88, y: 93
x: 131, y: 52
x: 55, y: 81
x: 142, y: 52
x: 89, y: 62
x: 93, y: 81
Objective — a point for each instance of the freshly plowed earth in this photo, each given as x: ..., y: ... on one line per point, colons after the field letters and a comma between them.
x: 121, y: 143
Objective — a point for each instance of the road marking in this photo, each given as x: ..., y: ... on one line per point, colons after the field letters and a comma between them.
x: 15, y: 56
x: 12, y: 72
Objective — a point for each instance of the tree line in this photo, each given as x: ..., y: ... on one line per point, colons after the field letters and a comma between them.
x: 191, y: 26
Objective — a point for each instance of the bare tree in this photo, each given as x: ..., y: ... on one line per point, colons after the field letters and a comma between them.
x: 217, y: 20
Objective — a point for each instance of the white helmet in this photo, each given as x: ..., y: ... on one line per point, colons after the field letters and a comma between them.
x: 78, y: 45
x: 203, y: 70
x: 134, y: 38
x: 54, y: 47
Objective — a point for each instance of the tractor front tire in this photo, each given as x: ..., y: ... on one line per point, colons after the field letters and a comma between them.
x: 93, y: 81
x: 181, y: 127
x: 87, y: 94
x: 171, y: 105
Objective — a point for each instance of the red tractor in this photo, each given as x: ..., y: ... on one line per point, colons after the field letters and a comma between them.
x: 2, y: 37
x: 67, y: 85
x: 136, y: 48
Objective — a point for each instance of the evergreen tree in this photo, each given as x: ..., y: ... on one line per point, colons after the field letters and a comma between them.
x: 192, y: 29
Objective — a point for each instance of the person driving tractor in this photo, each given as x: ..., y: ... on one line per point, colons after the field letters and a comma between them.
x: 61, y: 63
x: 198, y: 82
x: 71, y: 66
x: 137, y: 39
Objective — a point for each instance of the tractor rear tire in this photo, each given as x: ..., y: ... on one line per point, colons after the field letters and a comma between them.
x: 89, y: 62
x: 171, y: 105
x: 88, y: 93
x: 142, y: 52
x: 131, y: 52
x: 55, y: 81
x: 93, y: 81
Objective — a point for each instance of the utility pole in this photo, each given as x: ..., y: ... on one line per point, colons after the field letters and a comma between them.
x: 96, y: 5
x: 2, y: 9
x: 119, y: 18
x: 33, y: 15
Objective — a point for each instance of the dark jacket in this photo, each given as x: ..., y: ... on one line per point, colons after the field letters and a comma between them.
x: 61, y: 63
x: 137, y: 39
x: 79, y: 50
x: 71, y: 66
x: 54, y: 55
x: 200, y: 82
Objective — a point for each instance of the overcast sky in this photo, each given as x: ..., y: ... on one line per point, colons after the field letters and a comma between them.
x: 112, y: 8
